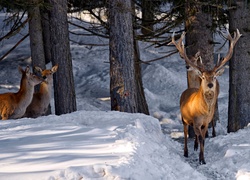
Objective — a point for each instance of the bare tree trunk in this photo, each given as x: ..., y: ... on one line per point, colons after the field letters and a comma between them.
x: 141, y: 101
x: 36, y: 37
x: 46, y: 33
x: 64, y: 88
x: 199, y: 38
x: 147, y: 17
x: 125, y: 80
x: 239, y: 72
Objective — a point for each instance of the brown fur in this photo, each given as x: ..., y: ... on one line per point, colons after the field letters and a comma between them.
x: 13, y: 105
x: 40, y: 102
x: 197, y: 109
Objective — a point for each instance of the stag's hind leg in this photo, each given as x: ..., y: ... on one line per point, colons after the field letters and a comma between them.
x: 213, y: 126
x: 196, y: 143
x: 185, y: 126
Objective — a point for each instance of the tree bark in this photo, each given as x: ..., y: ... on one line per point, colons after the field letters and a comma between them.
x: 239, y: 71
x: 125, y: 80
x: 46, y: 33
x: 36, y: 37
x: 64, y: 89
x: 147, y: 17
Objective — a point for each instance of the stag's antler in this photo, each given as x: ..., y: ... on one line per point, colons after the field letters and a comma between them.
x: 233, y: 41
x: 181, y: 48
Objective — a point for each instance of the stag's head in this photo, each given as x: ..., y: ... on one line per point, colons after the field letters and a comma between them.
x: 208, y: 77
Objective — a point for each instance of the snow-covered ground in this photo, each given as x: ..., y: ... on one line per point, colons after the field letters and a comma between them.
x: 96, y: 143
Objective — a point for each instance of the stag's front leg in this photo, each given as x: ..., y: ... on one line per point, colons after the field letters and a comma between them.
x: 202, y: 144
x: 201, y: 155
x: 185, y: 139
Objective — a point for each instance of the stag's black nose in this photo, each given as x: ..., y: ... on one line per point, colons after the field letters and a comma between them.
x: 210, y: 85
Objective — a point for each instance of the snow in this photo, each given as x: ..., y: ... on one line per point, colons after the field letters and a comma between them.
x: 96, y: 143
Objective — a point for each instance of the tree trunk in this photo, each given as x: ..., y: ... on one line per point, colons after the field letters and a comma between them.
x: 64, y: 89
x: 199, y: 37
x: 239, y: 72
x: 36, y: 37
x: 46, y: 33
x: 147, y: 17
x: 141, y: 101
x: 124, y: 85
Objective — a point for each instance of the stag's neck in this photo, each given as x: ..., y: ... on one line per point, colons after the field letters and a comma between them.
x: 208, y: 99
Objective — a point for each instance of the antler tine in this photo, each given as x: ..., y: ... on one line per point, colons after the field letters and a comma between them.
x: 181, y: 48
x: 233, y: 41
x: 218, y: 60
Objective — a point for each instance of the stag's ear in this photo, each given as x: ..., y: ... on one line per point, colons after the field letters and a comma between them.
x: 220, y: 72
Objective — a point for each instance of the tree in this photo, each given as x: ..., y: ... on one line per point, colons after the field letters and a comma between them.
x: 147, y: 17
x: 64, y: 90
x: 36, y: 35
x: 46, y: 33
x: 126, y: 94
x: 198, y: 25
x: 239, y: 71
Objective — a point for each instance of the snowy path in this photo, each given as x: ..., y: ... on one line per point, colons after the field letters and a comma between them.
x: 218, y: 155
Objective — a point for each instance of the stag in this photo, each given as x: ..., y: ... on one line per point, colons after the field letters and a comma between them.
x: 13, y: 105
x: 194, y: 81
x: 197, y: 105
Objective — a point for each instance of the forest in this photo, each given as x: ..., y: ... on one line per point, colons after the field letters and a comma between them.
x: 125, y: 23
x: 127, y: 76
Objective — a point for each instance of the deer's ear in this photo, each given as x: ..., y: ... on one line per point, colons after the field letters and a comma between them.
x: 27, y: 69
x: 197, y: 71
x: 220, y: 72
x: 54, y: 68
x: 20, y: 69
x: 38, y: 69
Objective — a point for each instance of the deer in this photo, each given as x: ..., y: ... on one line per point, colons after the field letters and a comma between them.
x: 41, y: 99
x: 197, y: 105
x: 13, y: 105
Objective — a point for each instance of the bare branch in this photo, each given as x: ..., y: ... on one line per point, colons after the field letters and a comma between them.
x: 21, y: 40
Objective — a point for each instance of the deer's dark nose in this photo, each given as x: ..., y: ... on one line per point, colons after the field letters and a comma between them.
x: 210, y: 85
